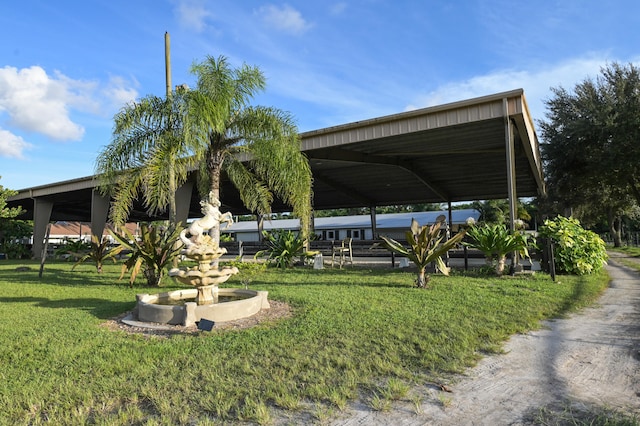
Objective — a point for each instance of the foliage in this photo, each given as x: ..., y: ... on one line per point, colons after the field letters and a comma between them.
x: 72, y: 249
x: 590, y: 147
x: 249, y: 271
x: 213, y: 128
x: 222, y: 128
x: 497, y: 211
x: 425, y: 247
x: 14, y: 249
x: 99, y: 252
x: 153, y: 251
x: 495, y: 241
x: 7, y: 212
x: 10, y: 228
x: 146, y: 155
x: 348, y: 334
x: 284, y: 247
x: 576, y: 250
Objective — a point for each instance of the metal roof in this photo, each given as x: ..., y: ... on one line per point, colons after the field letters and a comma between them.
x: 383, y: 221
x: 447, y: 153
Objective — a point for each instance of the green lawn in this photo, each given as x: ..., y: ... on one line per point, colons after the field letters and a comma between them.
x: 632, y: 259
x: 354, y: 333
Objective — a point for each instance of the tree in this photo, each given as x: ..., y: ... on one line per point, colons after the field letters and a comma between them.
x: 497, y: 211
x: 147, y: 156
x: 590, y: 147
x: 8, y: 212
x: 222, y: 130
x: 10, y: 228
x: 214, y: 128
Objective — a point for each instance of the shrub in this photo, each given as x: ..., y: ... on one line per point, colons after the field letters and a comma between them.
x: 100, y: 251
x: 72, y: 249
x: 284, y: 247
x: 576, y: 250
x: 154, y: 250
x: 425, y: 246
x: 496, y: 241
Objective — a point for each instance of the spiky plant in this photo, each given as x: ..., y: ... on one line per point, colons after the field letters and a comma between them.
x: 495, y: 241
x: 425, y: 246
x: 152, y: 252
x: 99, y: 252
x: 284, y: 247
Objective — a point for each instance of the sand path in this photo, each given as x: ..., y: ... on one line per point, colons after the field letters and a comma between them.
x: 589, y: 360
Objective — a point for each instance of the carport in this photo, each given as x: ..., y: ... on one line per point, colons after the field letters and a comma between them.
x: 477, y: 149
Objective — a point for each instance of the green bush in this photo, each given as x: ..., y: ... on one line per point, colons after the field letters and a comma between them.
x: 284, y: 247
x: 153, y: 252
x: 425, y: 246
x: 576, y: 250
x: 495, y: 241
x: 100, y: 252
x: 14, y: 250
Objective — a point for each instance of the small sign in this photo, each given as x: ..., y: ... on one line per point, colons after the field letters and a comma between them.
x: 205, y: 324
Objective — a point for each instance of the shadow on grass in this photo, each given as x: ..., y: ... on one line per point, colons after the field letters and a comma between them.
x: 100, y: 308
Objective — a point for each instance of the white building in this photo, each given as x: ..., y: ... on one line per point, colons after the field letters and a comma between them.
x: 393, y: 225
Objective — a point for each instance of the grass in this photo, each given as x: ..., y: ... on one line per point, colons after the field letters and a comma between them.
x: 567, y: 415
x: 354, y: 332
x: 633, y: 253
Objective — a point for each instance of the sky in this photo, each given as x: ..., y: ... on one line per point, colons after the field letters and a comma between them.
x: 68, y: 66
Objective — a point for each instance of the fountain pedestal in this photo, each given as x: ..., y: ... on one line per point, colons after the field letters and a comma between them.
x: 205, y: 277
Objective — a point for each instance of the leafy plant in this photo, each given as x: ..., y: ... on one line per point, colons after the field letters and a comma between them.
x: 14, y: 250
x: 576, y: 250
x: 284, y: 247
x: 425, y: 247
x: 152, y: 252
x: 12, y: 233
x: 249, y: 271
x: 72, y: 249
x: 99, y: 252
x: 496, y: 241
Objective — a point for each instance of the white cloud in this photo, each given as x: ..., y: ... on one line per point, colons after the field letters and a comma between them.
x: 36, y: 102
x: 536, y: 83
x: 192, y: 14
x: 39, y: 103
x: 12, y: 146
x: 284, y: 18
x: 119, y: 92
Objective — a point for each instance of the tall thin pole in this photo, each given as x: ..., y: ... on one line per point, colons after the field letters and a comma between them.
x: 167, y: 61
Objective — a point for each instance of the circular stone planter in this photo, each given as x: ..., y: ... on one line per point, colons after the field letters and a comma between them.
x: 157, y: 308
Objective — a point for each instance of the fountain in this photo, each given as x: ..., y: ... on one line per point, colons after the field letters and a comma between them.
x: 206, y: 301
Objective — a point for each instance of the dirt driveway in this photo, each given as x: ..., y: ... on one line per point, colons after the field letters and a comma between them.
x: 586, y: 362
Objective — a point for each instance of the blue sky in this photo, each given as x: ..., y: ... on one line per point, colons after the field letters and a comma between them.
x: 67, y: 66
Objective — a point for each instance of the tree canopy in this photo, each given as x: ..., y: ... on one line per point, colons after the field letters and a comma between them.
x: 212, y: 128
x: 590, y: 145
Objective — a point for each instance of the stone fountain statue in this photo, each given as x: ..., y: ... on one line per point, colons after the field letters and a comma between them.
x: 200, y: 247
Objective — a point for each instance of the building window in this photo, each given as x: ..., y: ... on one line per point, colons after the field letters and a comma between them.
x: 329, y: 235
x: 356, y: 234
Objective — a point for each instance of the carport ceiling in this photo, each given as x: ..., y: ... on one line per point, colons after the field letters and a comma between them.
x: 447, y: 153
x: 454, y: 152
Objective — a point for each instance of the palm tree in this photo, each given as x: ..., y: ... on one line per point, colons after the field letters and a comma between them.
x: 213, y: 127
x: 257, y: 147
x: 146, y: 156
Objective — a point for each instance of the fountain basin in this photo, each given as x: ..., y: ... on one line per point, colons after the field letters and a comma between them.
x: 150, y: 307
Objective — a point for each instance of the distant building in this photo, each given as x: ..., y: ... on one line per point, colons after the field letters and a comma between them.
x: 61, y: 232
x: 358, y: 227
